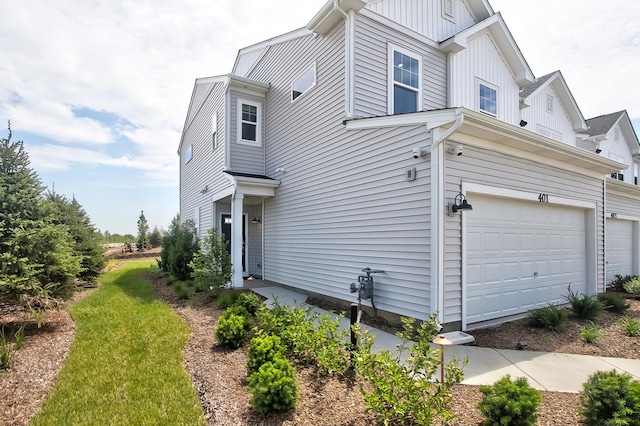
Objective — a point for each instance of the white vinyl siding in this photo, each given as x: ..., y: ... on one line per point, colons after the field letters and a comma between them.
x: 481, y: 61
x: 556, y: 125
x: 425, y: 17
x: 372, y: 74
x: 246, y: 157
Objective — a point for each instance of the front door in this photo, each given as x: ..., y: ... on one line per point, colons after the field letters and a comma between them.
x: 225, y: 225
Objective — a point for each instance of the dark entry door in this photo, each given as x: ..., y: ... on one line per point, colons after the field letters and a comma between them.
x: 225, y: 225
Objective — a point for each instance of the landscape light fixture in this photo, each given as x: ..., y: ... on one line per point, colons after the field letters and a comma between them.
x: 460, y: 204
x: 442, y: 341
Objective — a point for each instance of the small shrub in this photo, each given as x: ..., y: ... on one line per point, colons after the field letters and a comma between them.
x: 273, y: 387
x: 250, y: 301
x: 242, y: 312
x: 613, y: 302
x: 609, y: 399
x: 619, y: 282
x: 631, y: 326
x: 262, y: 350
x: 508, y: 402
x: 550, y: 318
x: 198, y: 288
x: 590, y: 334
x: 632, y: 286
x: 227, y: 299
x: 180, y: 290
x: 232, y: 331
x: 6, y: 351
x: 584, y: 306
x: 170, y: 280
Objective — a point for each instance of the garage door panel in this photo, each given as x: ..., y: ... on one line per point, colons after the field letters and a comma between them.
x: 523, y: 257
x: 619, y: 248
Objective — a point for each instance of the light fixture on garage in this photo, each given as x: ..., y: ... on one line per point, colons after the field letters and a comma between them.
x: 459, y: 204
x: 614, y: 215
x: 256, y: 220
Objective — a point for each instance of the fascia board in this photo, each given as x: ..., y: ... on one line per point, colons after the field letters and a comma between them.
x: 561, y: 87
x: 629, y: 134
x: 245, y: 85
x: 211, y: 81
x: 329, y: 16
x: 616, y: 187
x: 431, y: 119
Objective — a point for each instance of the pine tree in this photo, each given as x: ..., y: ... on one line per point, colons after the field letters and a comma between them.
x: 155, y: 238
x: 143, y: 230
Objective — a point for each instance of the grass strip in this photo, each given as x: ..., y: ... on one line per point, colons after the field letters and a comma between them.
x: 125, y: 364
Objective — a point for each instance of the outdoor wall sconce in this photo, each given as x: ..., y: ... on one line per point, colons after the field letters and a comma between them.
x: 256, y: 220
x: 614, y: 215
x: 460, y: 204
x: 598, y: 150
x: 523, y: 123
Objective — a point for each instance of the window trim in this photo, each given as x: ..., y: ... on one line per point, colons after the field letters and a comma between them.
x: 481, y: 82
x: 391, y: 83
x: 258, y: 123
x: 308, y: 89
x: 188, y: 154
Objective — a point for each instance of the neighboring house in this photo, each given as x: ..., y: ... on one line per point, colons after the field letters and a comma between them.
x: 612, y: 136
x: 343, y: 145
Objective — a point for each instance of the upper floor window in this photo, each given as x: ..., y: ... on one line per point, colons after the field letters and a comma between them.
x: 488, y: 98
x: 188, y: 154
x: 214, y: 131
x: 618, y: 175
x: 549, y: 103
x: 303, y: 83
x: 249, y: 128
x: 635, y: 174
x: 405, y: 88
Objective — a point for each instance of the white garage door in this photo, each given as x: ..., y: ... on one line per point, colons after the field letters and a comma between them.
x: 521, y: 255
x: 619, y: 248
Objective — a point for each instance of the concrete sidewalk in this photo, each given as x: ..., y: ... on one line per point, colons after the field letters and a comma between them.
x: 544, y: 371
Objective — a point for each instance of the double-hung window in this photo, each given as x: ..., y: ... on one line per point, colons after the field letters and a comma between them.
x: 487, y: 98
x: 249, y: 129
x: 405, y: 85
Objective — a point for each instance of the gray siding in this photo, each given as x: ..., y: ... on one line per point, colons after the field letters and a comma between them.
x: 495, y: 169
x: 622, y: 205
x: 371, y: 72
x: 206, y: 165
x: 246, y: 158
x: 343, y: 203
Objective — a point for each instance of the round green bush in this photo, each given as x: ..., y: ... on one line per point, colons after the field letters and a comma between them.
x: 632, y: 286
x: 262, y: 350
x: 250, y: 301
x: 232, y: 331
x: 609, y: 398
x: 510, y: 403
x: 273, y: 387
x: 241, y: 312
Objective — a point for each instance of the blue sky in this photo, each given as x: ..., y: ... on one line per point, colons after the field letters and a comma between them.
x: 99, y: 90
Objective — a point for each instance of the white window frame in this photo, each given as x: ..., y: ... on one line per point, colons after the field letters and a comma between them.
x: 480, y: 82
x: 549, y: 103
x: 258, y: 123
x: 635, y: 174
x: 391, y: 79
x: 307, y: 89
x: 214, y: 131
x: 188, y: 154
x: 447, y: 10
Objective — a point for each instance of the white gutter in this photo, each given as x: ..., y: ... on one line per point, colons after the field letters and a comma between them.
x: 349, y: 49
x: 437, y: 215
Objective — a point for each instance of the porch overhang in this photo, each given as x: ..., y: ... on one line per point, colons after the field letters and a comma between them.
x: 251, y: 185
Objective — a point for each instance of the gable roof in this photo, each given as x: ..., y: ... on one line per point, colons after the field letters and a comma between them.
x: 502, y: 36
x: 557, y: 81
x: 601, y: 125
x: 331, y: 14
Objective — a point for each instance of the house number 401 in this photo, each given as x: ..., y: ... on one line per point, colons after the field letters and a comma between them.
x: 543, y: 198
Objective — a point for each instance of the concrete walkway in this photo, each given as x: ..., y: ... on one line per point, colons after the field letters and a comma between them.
x: 544, y: 371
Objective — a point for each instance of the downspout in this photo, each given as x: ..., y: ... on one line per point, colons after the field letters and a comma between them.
x: 437, y: 215
x: 349, y: 49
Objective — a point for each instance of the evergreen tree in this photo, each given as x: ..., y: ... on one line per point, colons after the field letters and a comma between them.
x: 155, y: 238
x: 143, y: 230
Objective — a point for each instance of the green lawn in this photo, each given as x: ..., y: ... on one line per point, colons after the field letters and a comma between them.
x: 125, y: 366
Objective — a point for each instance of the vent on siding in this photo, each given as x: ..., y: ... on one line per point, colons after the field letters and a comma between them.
x: 447, y: 9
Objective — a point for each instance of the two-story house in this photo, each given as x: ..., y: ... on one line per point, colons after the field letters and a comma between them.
x: 361, y: 139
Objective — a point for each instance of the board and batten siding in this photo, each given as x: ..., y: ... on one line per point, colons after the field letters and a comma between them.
x: 491, y: 168
x: 556, y: 120
x: 372, y: 62
x: 343, y: 203
x: 206, y: 165
x: 246, y: 158
x: 425, y: 17
x: 482, y: 62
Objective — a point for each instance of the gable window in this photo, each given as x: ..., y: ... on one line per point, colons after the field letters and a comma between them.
x: 405, y: 88
x: 304, y: 83
x: 188, y: 154
x: 214, y: 131
x: 249, y: 128
x: 549, y: 103
x: 488, y: 98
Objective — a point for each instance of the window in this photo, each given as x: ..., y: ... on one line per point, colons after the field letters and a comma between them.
x: 249, y: 122
x: 549, y: 103
x: 635, y: 174
x: 488, y: 99
x: 303, y: 83
x: 214, y: 131
x: 447, y: 9
x: 618, y: 175
x: 405, y: 91
x: 188, y: 153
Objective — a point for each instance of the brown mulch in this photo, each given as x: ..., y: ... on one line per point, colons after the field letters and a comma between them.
x: 219, y: 374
